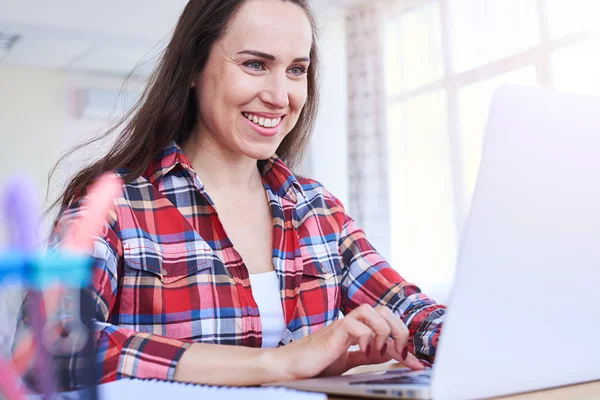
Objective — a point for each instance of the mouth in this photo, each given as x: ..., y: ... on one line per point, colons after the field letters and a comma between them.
x: 262, y: 121
x: 264, y: 126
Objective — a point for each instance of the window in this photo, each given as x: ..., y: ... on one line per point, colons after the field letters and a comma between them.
x: 576, y: 68
x: 414, y: 36
x: 443, y: 61
x: 483, y: 31
x: 422, y: 228
x: 473, y: 106
x: 573, y: 16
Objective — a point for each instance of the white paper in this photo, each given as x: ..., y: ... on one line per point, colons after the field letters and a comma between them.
x: 128, y: 389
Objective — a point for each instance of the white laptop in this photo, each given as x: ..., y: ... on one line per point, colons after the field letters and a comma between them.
x: 524, y: 314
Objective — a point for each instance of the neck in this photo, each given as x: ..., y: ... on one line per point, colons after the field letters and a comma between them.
x: 219, y: 169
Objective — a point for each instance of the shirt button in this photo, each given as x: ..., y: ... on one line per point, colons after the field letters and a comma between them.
x: 164, y: 272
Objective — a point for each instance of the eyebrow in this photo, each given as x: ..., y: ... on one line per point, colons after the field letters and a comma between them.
x: 270, y: 57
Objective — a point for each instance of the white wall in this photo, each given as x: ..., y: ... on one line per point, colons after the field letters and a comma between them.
x: 151, y: 19
x: 32, y: 122
x: 329, y: 146
x: 38, y: 124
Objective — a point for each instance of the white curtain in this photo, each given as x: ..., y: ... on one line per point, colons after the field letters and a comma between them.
x: 367, y: 134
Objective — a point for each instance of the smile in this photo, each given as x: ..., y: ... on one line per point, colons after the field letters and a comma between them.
x: 264, y: 122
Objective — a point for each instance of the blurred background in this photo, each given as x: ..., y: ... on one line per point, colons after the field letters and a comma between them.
x: 405, y: 91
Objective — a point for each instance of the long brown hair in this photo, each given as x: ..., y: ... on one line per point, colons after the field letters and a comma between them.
x: 166, y: 110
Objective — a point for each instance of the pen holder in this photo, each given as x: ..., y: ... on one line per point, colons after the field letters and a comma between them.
x: 60, y: 326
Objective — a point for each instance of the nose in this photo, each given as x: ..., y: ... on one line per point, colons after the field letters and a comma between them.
x: 275, y: 93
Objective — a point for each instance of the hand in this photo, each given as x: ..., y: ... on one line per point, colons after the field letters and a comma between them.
x: 380, y: 334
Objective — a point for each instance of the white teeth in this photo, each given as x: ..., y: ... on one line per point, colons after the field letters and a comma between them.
x: 266, y: 122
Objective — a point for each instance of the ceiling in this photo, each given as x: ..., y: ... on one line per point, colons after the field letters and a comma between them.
x: 109, y: 36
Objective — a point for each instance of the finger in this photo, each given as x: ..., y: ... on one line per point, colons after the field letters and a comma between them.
x: 371, y: 347
x: 358, y: 358
x: 397, y: 355
x: 412, y: 362
x: 359, y: 333
x: 398, y: 331
x: 376, y: 322
x: 391, y: 351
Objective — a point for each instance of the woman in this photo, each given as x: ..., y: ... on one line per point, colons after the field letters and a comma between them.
x: 216, y: 253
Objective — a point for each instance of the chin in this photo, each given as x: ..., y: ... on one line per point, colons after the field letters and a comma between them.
x: 260, y: 153
x: 260, y: 149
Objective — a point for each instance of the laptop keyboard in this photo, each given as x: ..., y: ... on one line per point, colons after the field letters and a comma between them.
x: 422, y: 378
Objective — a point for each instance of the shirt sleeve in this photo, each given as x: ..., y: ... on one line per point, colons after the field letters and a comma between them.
x: 120, y: 352
x: 368, y: 278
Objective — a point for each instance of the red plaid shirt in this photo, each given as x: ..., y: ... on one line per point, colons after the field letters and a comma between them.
x: 166, y: 275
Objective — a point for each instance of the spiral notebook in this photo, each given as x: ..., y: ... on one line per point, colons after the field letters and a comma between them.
x: 127, y: 389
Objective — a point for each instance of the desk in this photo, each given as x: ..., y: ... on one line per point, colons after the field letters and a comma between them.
x: 584, y: 391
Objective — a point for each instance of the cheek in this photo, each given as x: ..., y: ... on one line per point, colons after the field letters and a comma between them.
x: 297, y: 99
x: 298, y: 96
x: 206, y: 94
x: 225, y: 89
x: 240, y: 88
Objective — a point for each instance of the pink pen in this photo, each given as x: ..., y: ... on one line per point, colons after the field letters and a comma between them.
x: 9, y: 388
x: 98, y: 202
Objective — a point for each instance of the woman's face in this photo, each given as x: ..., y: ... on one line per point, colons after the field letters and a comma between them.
x: 254, y: 84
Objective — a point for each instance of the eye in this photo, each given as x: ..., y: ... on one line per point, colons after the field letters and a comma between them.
x: 298, y: 71
x: 254, y: 65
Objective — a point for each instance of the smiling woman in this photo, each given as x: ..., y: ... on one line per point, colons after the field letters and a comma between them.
x: 218, y: 265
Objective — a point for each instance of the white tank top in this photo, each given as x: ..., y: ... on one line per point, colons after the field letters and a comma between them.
x: 265, y: 289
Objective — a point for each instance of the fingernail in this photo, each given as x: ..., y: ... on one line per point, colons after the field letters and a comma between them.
x: 368, y: 350
x: 383, y: 349
x: 405, y: 353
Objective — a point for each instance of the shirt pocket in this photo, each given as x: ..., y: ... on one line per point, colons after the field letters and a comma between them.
x: 169, y: 262
x: 321, y: 260
x: 320, y: 290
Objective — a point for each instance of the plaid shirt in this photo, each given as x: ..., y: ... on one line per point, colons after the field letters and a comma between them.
x: 166, y: 275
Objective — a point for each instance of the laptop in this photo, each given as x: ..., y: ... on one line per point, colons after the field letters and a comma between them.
x: 524, y: 313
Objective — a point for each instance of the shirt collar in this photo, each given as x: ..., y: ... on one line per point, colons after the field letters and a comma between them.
x: 280, y: 179
x: 276, y: 175
x: 166, y: 161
